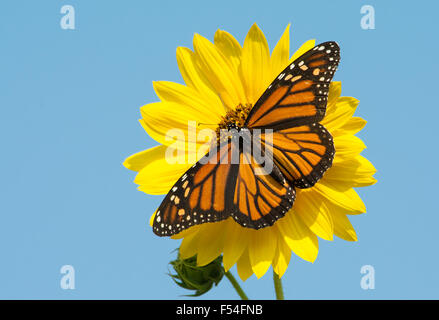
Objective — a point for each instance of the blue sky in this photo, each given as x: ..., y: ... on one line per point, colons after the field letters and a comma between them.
x: 70, y: 102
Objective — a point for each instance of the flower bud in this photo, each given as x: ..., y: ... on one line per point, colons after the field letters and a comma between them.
x: 199, y: 278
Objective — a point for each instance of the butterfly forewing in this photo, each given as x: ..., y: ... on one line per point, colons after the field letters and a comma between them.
x: 300, y: 93
x: 292, y: 107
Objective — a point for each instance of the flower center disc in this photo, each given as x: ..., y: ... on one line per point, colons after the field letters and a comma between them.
x: 234, y: 119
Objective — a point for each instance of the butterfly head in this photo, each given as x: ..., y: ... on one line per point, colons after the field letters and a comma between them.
x: 233, y: 126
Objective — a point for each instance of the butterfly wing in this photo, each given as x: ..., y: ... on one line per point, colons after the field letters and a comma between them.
x: 203, y: 194
x: 299, y: 94
x: 216, y: 188
x: 292, y: 106
x: 261, y: 195
x: 302, y: 153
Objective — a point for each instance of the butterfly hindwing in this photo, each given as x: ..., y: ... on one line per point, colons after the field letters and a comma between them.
x: 301, y: 153
x: 300, y: 93
x: 262, y: 194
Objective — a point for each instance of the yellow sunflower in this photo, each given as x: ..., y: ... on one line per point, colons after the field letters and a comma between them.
x: 219, y: 77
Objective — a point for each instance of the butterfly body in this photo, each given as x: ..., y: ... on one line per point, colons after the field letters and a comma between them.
x: 262, y: 153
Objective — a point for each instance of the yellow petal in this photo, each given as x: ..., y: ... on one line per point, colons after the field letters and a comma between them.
x: 311, y: 209
x: 298, y: 237
x: 340, y: 114
x: 194, y: 78
x: 262, y: 247
x: 347, y: 199
x: 352, y: 126
x: 190, y: 98
x: 210, y: 242
x: 282, y: 257
x: 229, y: 47
x: 186, y: 232
x: 347, y: 146
x: 244, y: 266
x: 353, y: 172
x: 151, y: 220
x: 158, y: 175
x: 188, y: 247
x: 234, y: 244
x: 342, y: 227
x: 137, y: 161
x: 168, y: 122
x: 281, y: 54
x: 333, y: 95
x: 255, y: 69
x: 303, y: 48
x: 222, y: 77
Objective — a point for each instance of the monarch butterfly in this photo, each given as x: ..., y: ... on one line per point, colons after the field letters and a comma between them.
x: 301, y: 148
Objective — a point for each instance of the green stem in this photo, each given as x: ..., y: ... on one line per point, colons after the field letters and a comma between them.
x: 236, y: 285
x: 278, y: 287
